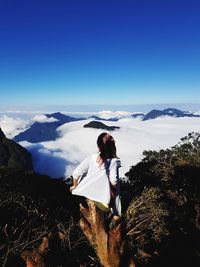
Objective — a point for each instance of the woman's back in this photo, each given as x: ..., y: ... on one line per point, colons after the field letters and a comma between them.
x: 97, y: 176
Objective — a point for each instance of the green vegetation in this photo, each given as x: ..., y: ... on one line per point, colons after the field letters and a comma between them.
x: 163, y: 219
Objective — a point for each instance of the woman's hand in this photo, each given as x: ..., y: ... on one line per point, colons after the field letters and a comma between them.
x: 72, y: 188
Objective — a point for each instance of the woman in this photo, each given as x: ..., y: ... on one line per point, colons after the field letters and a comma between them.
x: 97, y: 176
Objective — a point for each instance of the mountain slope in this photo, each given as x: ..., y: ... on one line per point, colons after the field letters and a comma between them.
x: 39, y: 132
x: 38, y: 210
x: 39, y: 218
x: 13, y: 155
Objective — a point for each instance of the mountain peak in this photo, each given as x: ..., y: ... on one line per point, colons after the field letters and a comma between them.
x: 57, y: 115
x: 62, y: 117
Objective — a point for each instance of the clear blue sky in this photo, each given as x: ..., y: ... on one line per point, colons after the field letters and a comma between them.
x: 99, y: 52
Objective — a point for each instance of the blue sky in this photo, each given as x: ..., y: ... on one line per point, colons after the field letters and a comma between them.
x: 75, y: 52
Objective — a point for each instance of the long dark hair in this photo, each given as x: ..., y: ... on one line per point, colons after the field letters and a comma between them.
x: 106, y: 145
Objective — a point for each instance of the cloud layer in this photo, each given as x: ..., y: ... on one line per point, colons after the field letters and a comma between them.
x: 75, y: 142
x: 107, y: 114
x: 61, y: 156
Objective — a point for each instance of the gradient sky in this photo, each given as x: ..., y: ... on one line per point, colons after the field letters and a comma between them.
x: 99, y: 52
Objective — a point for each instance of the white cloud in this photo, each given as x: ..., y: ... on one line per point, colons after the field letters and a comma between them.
x: 134, y: 136
x: 12, y: 126
x: 43, y: 118
x: 107, y: 114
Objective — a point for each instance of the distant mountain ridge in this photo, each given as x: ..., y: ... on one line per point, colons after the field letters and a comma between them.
x: 172, y: 112
x: 44, y: 131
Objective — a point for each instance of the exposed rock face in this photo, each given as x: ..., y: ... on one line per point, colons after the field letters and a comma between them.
x: 13, y: 155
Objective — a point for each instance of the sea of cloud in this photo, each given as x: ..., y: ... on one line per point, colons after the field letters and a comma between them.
x: 59, y: 158
x: 12, y: 126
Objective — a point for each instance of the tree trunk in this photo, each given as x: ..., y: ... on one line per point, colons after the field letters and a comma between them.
x: 109, y: 244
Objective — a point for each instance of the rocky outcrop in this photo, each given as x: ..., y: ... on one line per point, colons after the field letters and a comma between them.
x: 13, y: 155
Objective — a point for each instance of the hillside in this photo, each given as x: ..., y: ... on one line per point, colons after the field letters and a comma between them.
x: 13, y: 155
x: 36, y: 210
x: 39, y: 218
x: 163, y: 218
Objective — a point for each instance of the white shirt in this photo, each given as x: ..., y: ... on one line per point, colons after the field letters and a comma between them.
x: 95, y: 185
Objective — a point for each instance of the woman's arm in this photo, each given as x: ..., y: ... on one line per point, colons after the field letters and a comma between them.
x: 79, y: 171
x: 82, y: 168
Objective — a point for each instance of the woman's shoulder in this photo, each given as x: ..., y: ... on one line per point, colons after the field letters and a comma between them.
x: 88, y: 159
x: 94, y: 157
